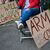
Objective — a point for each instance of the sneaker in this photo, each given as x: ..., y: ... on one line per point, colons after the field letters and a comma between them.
x: 19, y: 25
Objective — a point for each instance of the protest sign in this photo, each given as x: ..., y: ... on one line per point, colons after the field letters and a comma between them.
x: 8, y: 12
x: 39, y: 27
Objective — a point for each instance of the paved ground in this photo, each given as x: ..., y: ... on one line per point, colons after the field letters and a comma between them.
x: 10, y: 40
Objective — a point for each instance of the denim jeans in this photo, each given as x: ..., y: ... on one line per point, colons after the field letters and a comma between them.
x: 27, y: 13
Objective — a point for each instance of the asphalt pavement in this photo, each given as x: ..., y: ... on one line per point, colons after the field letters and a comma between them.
x: 10, y: 39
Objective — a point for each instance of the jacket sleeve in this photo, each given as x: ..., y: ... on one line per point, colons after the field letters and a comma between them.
x: 34, y: 3
x: 20, y: 2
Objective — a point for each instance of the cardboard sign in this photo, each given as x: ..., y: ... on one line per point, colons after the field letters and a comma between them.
x: 39, y: 27
x: 8, y: 12
x: 7, y: 6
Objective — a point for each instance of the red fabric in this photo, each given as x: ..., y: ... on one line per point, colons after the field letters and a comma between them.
x: 33, y: 3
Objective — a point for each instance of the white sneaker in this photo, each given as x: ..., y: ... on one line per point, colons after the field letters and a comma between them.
x: 19, y: 25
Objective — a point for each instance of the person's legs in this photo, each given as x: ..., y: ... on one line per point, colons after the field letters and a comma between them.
x: 26, y: 14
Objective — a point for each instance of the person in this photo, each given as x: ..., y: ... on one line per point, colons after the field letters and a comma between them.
x: 28, y: 8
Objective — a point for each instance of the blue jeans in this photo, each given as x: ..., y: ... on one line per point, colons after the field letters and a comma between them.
x: 27, y: 13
